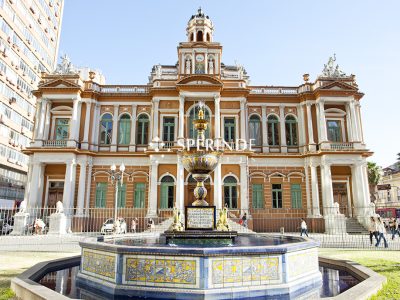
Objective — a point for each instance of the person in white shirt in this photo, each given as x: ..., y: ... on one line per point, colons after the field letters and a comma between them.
x: 372, y: 230
x: 303, y: 227
x: 380, y: 228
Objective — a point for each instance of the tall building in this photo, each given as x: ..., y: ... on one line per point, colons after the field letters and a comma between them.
x: 308, y: 152
x: 29, y: 39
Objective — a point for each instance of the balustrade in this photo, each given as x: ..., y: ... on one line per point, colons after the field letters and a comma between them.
x: 55, y: 143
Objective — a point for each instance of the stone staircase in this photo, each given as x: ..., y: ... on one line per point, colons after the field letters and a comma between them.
x: 161, y: 227
x: 354, y: 227
x: 239, y: 228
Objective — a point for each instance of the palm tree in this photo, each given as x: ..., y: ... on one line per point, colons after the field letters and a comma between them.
x: 374, y: 175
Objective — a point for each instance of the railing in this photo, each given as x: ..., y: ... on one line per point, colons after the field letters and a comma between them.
x: 341, y: 146
x: 135, y: 89
x: 55, y: 143
x: 168, y: 145
x: 274, y: 90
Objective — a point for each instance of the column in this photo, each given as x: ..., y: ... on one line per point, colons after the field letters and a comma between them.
x: 301, y: 127
x: 75, y: 124
x: 310, y: 125
x: 244, y: 190
x: 85, y: 142
x: 152, y: 209
x: 180, y: 197
x: 264, y: 128
x: 349, y: 123
x: 217, y: 187
x: 282, y: 127
x: 132, y: 146
x: 359, y: 123
x: 361, y: 197
x: 243, y: 119
x: 69, y: 186
x: 181, y: 134
x: 81, y: 188
x: 327, y: 190
x: 47, y: 121
x: 36, y: 185
x: 156, y: 103
x: 88, y: 185
x: 308, y: 192
x: 95, y: 127
x: 217, y: 117
x: 315, y: 192
x: 42, y: 118
x: 37, y: 118
x: 322, y: 121
x: 114, y: 137
x: 28, y: 183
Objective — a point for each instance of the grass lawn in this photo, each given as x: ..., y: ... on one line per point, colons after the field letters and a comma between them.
x: 386, y: 263
x: 14, y: 263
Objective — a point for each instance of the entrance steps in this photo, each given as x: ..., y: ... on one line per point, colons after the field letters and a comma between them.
x: 354, y: 227
x: 239, y: 228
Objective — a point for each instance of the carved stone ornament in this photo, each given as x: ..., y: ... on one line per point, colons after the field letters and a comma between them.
x: 331, y: 69
x: 65, y: 66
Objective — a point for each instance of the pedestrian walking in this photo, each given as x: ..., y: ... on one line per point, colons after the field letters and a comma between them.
x: 244, y: 220
x: 303, y: 227
x: 380, y: 228
x: 395, y: 228
x: 372, y: 230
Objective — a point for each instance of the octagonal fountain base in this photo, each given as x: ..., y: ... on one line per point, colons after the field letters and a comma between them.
x: 255, y: 266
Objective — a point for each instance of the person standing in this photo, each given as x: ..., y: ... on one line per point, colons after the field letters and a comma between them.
x: 134, y: 224
x: 395, y: 228
x: 372, y: 230
x: 303, y: 227
x: 244, y: 220
x: 380, y: 227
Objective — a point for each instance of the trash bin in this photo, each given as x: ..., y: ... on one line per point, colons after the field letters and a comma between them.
x: 282, y: 230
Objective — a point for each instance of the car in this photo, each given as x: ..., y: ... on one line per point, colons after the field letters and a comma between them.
x: 109, y: 227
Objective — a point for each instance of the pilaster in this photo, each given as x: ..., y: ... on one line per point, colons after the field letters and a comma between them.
x: 282, y: 128
x: 114, y: 137
x: 132, y: 147
x: 264, y: 128
x: 85, y: 142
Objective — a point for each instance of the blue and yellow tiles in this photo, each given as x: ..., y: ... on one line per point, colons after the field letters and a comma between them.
x: 99, y: 264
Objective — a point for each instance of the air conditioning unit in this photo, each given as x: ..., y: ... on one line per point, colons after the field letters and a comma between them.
x: 12, y: 100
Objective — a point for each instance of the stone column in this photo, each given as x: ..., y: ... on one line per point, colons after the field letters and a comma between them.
x: 301, y: 128
x: 42, y: 118
x: 37, y: 119
x: 315, y: 192
x: 308, y: 192
x: 359, y: 123
x: 243, y: 119
x: 349, y: 123
x: 156, y: 103
x: 152, y: 209
x: 354, y: 123
x: 69, y: 186
x: 47, y: 121
x: 95, y: 127
x: 217, y: 117
x: 180, y: 185
x: 81, y: 188
x: 181, y: 134
x: 264, y: 128
x: 114, y: 138
x: 361, y: 196
x: 29, y: 178
x: 217, y: 187
x: 85, y: 142
x: 36, y: 185
x: 75, y: 123
x: 244, y: 189
x: 282, y: 128
x: 327, y: 190
x: 132, y: 146
x: 322, y: 121
x: 88, y: 184
x: 311, y: 142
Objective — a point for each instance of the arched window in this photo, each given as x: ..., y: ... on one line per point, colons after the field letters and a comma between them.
x: 230, y: 192
x: 62, y: 129
x: 334, y: 130
x: 191, y: 37
x: 255, y: 129
x: 291, y: 131
x: 106, y: 128
x: 142, y: 137
x: 124, y: 133
x: 167, y: 192
x: 192, y: 116
x: 273, y: 131
x: 208, y: 37
x: 199, y: 36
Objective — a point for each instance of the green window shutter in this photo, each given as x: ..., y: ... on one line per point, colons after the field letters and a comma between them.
x: 101, y: 192
x: 258, y: 198
x: 139, y: 195
x: 124, y: 131
x: 164, y: 196
x: 122, y: 195
x: 296, y: 195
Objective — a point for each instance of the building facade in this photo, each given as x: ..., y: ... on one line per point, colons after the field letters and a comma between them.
x: 29, y: 39
x: 308, y: 152
x: 388, y: 192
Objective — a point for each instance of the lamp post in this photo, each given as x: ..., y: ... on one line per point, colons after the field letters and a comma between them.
x: 117, y: 177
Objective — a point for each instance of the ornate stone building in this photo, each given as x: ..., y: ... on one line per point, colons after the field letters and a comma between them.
x: 309, y: 148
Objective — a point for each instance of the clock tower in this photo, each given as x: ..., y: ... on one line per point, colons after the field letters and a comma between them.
x: 199, y: 55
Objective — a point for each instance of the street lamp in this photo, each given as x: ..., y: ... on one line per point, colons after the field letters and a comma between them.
x: 117, y: 178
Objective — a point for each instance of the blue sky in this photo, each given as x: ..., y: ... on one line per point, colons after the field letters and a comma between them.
x: 276, y: 41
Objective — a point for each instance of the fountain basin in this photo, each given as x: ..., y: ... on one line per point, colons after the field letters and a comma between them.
x: 254, y: 266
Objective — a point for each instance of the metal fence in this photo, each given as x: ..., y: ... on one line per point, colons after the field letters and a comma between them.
x: 345, y: 231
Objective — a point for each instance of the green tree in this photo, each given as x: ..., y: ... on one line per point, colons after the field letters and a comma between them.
x: 374, y: 173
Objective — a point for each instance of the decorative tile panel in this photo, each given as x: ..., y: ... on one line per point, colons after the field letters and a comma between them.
x: 254, y: 270
x: 98, y: 264
x: 300, y: 263
x: 163, y: 271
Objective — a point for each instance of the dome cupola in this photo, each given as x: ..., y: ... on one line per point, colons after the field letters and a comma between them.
x: 200, y: 28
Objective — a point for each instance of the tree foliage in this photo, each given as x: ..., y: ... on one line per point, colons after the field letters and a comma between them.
x: 374, y: 174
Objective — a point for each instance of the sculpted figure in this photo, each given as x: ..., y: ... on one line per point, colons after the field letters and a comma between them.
x: 177, y: 224
x: 22, y: 207
x: 336, y: 210
x: 188, y: 65
x: 59, y: 207
x: 222, y: 224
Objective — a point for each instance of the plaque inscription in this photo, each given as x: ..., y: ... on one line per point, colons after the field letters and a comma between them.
x: 200, y: 217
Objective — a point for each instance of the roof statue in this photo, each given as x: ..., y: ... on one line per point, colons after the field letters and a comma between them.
x: 65, y: 66
x: 200, y: 14
x: 331, y: 69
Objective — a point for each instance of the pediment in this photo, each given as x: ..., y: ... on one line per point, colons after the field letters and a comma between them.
x: 59, y: 83
x: 199, y: 80
x: 338, y: 86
